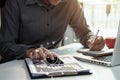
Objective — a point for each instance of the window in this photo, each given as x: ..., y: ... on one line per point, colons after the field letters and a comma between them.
x: 103, y: 15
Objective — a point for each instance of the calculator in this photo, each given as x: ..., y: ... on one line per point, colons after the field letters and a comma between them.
x: 43, y: 69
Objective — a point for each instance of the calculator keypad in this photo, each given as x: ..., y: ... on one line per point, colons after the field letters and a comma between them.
x: 57, y: 67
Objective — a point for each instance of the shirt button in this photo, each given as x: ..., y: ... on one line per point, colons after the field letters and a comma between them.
x: 53, y: 42
x: 48, y: 43
x: 41, y: 45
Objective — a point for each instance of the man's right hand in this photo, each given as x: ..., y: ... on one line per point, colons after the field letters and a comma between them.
x: 40, y: 54
x: 98, y: 44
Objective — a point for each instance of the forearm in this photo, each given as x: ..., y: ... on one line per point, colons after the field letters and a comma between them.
x: 79, y: 25
x: 85, y: 38
x: 10, y: 51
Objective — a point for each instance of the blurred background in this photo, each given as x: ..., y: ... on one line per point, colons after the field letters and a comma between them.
x: 100, y: 14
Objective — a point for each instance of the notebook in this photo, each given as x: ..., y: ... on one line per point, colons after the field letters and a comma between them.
x: 103, y: 52
x: 106, y: 60
x: 63, y: 66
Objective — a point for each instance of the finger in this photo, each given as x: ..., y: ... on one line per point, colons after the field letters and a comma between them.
x: 42, y: 54
x: 98, y: 44
x: 54, y: 54
x: 95, y: 43
x: 31, y: 55
x: 36, y: 54
x: 98, y: 40
x: 98, y: 47
x: 49, y: 54
x: 90, y: 43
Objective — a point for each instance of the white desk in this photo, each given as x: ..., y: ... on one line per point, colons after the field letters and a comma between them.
x: 16, y: 70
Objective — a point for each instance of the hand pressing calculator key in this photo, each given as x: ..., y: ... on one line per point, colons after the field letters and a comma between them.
x: 48, y: 61
x: 55, y: 61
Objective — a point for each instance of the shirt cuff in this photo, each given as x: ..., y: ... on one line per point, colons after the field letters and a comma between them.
x: 85, y: 39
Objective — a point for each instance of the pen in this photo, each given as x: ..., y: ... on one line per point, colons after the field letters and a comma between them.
x: 94, y: 38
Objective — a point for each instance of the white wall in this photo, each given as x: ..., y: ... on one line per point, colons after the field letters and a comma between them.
x: 98, y: 18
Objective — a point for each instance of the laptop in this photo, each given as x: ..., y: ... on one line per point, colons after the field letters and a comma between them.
x: 61, y: 66
x: 106, y: 60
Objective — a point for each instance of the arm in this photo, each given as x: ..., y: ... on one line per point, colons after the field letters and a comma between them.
x: 79, y: 25
x: 9, y: 47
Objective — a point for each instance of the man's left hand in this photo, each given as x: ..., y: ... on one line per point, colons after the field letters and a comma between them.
x: 97, y: 45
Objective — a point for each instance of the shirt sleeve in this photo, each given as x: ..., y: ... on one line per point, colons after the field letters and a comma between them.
x: 9, y: 47
x: 78, y: 23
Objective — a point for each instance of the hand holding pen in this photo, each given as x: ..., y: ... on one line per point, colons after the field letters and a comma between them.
x: 96, y: 43
x: 93, y: 39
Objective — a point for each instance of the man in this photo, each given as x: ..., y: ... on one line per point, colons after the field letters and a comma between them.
x: 31, y: 27
x: 1, y: 3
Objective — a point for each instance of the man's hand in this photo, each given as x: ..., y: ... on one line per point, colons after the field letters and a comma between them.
x: 40, y: 53
x: 97, y: 45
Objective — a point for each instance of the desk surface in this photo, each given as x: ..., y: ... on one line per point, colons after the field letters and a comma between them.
x: 16, y: 70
